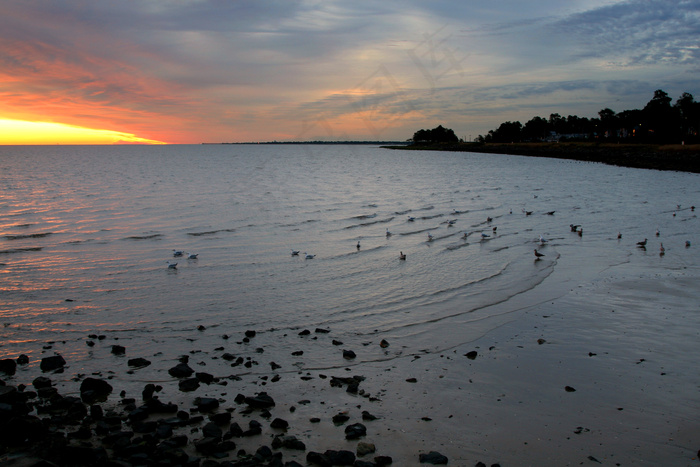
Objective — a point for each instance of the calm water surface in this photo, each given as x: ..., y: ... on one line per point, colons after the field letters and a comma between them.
x: 85, y: 233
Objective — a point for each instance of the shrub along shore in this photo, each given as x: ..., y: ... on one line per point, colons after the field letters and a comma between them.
x: 684, y: 158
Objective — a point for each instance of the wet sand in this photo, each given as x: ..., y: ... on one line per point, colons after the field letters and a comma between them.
x: 589, y: 368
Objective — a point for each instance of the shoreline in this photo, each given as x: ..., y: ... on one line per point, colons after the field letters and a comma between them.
x: 684, y: 158
x: 575, y: 372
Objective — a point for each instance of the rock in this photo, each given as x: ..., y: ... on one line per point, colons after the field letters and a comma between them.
x: 305, y: 332
x: 322, y: 331
x: 471, y: 355
x: 336, y: 342
x: 348, y: 354
x: 250, y: 334
x: 411, y: 380
x: 541, y: 341
x: 148, y: 390
x: 223, y: 418
x: 288, y: 442
x: 383, y: 344
x: 22, y: 360
x: 52, y: 363
x: 365, y: 448
x: 341, y: 457
x: 138, y: 362
x: 355, y: 431
x: 188, y: 385
x: 432, y: 457
x: 569, y: 389
x: 8, y: 366
x: 181, y: 370
x: 205, y: 378
x: 93, y: 389
x: 317, y: 458
x: 298, y: 353
x: 206, y: 404
x: 118, y: 350
x: 383, y: 460
x: 279, y: 424
x: 368, y: 417
x: 41, y: 382
x: 340, y: 418
x: 274, y: 366
x: 212, y: 430
x: 260, y: 401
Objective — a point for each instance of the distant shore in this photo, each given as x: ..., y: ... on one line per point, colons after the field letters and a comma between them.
x: 684, y: 158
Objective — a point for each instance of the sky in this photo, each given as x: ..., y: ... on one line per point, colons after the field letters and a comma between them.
x: 193, y: 71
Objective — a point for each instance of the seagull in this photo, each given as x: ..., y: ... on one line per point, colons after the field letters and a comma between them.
x: 192, y: 255
x: 402, y: 256
x: 580, y: 232
x: 542, y: 240
x: 489, y: 219
x: 538, y: 255
x: 687, y: 243
x: 574, y: 227
x: 430, y: 237
x: 451, y: 222
x: 308, y: 256
x: 177, y: 253
x: 171, y: 265
x: 642, y: 244
x: 528, y: 213
x: 466, y: 234
x: 388, y: 234
x: 619, y: 235
x: 662, y: 250
x: 295, y: 252
x: 657, y: 232
x: 358, y: 245
x: 494, y: 229
x: 484, y: 235
x: 411, y: 218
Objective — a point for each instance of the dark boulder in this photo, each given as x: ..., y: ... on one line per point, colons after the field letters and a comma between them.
x: 138, y: 362
x: 8, y: 366
x: 355, y: 431
x: 93, y: 389
x: 260, y: 401
x: 432, y: 457
x: 118, y: 350
x: 181, y: 370
x: 55, y: 362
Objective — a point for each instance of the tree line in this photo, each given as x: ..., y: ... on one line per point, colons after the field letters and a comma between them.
x: 658, y: 122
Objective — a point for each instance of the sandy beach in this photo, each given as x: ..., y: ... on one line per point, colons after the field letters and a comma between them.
x: 597, y: 368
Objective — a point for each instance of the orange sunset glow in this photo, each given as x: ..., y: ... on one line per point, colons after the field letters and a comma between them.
x: 23, y: 132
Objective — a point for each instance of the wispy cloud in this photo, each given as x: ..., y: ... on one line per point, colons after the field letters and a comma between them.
x: 219, y: 71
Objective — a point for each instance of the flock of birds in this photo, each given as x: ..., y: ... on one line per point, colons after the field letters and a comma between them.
x: 576, y: 228
x: 180, y: 254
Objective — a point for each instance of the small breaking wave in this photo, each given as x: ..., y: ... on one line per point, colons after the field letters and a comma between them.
x: 209, y: 232
x: 36, y: 235
x: 143, y: 237
x: 20, y: 250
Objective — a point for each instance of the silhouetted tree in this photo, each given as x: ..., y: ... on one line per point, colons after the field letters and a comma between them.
x: 536, y: 129
x: 608, y: 123
x: 436, y: 135
x: 689, y: 111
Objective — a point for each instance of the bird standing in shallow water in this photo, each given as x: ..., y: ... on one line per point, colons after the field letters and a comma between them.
x: 642, y: 244
x: 538, y: 255
x: 662, y: 250
x: 177, y: 253
x: 295, y: 252
x: 402, y: 256
x: 358, y: 245
x: 171, y: 265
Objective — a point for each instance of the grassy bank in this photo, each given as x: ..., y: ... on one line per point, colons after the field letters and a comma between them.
x: 684, y: 158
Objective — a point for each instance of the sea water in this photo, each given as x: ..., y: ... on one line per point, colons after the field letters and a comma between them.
x: 86, y: 233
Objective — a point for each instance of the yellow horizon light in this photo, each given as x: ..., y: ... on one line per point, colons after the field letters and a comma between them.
x: 22, y: 132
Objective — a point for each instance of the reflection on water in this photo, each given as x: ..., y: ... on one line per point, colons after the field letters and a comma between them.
x: 85, y: 233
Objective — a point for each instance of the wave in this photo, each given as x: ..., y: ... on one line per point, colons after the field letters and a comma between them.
x: 365, y: 216
x: 20, y: 250
x: 20, y: 237
x: 209, y: 232
x: 431, y: 217
x: 365, y: 224
x: 143, y: 237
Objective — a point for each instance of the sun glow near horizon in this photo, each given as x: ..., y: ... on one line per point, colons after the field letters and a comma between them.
x: 22, y: 132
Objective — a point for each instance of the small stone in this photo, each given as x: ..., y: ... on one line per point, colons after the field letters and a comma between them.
x: 569, y: 389
x: 383, y: 344
x: 471, y: 355
x: 432, y: 457
x: 348, y: 354
x: 365, y: 448
x: 118, y: 350
x: 250, y: 334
